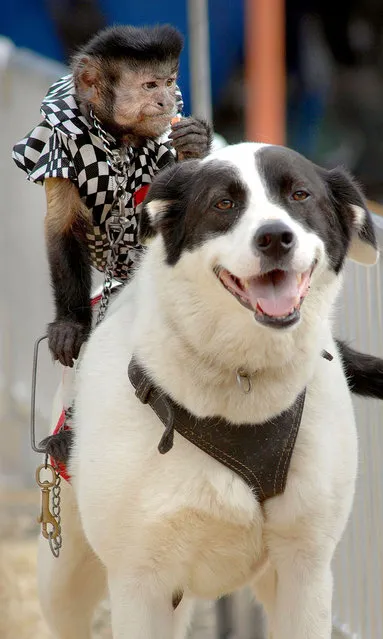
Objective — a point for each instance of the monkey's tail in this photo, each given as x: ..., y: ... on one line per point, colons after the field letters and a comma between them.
x: 364, y: 372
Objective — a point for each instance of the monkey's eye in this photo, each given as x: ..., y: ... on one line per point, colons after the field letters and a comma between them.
x: 224, y: 205
x: 300, y: 195
x: 150, y: 85
x: 170, y: 82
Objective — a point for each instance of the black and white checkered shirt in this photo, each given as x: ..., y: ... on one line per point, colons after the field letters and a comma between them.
x: 66, y: 145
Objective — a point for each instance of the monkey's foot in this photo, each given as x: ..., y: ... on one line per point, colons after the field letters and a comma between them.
x: 59, y: 446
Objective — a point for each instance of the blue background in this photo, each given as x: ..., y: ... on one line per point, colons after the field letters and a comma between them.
x: 28, y: 24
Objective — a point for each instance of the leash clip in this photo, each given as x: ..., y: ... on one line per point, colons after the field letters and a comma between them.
x: 115, y: 227
x: 46, y: 518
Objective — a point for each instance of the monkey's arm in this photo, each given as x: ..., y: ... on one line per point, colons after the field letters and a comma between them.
x: 364, y: 372
x: 65, y: 226
x: 191, y: 138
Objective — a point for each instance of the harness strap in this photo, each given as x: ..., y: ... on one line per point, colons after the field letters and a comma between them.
x: 259, y: 453
x: 228, y: 441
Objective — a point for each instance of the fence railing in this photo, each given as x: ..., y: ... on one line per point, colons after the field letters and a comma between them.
x: 358, y: 564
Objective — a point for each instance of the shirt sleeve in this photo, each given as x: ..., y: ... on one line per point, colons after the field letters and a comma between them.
x: 42, y: 154
x: 166, y: 155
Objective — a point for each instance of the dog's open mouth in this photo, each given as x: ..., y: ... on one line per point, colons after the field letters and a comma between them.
x: 275, y: 297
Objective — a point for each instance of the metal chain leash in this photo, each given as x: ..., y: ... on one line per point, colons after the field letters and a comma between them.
x: 55, y: 541
x: 118, y: 158
x: 115, y: 225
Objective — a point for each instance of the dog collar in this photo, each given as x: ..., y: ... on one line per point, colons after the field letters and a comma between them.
x: 259, y: 453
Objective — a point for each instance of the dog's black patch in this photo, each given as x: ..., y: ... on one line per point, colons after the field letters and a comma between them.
x: 328, y: 209
x: 191, y: 191
x: 364, y: 373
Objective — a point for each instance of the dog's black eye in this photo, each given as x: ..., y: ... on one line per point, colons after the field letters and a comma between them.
x: 224, y: 205
x: 300, y: 195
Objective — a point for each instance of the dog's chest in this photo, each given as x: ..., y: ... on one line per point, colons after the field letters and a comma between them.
x: 214, y: 556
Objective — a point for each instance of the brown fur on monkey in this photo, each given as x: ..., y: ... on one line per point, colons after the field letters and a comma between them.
x: 124, y: 79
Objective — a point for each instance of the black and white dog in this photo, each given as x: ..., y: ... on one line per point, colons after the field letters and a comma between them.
x: 227, y: 318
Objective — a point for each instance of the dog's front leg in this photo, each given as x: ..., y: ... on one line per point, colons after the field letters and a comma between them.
x: 303, y: 600
x: 140, y: 610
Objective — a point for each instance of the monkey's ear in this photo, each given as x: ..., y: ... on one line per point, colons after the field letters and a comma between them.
x: 87, y: 74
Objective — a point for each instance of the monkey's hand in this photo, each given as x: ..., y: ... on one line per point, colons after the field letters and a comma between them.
x: 191, y: 138
x: 65, y: 338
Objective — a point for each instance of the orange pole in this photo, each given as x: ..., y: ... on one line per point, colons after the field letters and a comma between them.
x: 265, y: 71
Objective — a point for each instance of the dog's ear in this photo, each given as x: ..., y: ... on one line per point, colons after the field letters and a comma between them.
x: 165, y: 207
x: 351, y: 207
x: 150, y: 217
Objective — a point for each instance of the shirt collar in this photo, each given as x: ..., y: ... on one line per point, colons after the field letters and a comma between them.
x: 60, y: 108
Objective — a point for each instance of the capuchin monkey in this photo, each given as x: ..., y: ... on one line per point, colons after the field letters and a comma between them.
x: 123, y: 89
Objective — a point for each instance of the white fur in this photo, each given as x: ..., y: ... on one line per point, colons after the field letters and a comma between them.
x: 156, y: 207
x: 181, y: 520
x: 234, y: 250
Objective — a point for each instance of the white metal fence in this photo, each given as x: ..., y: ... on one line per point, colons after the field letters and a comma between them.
x: 25, y: 307
x: 359, y: 561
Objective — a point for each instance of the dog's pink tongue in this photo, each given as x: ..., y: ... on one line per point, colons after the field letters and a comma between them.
x: 276, y: 293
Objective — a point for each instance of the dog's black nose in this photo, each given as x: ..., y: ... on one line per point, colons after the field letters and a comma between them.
x: 274, y: 239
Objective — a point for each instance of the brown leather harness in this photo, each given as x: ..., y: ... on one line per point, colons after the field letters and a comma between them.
x: 259, y: 453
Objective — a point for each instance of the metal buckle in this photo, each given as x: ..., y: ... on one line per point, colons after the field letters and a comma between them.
x: 243, y: 380
x: 115, y: 227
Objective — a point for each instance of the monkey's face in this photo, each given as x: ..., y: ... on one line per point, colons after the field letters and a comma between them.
x: 145, y: 100
x: 131, y: 99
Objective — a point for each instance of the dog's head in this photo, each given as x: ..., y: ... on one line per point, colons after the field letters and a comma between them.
x: 264, y: 222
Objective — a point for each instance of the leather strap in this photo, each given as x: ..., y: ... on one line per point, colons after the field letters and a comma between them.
x: 259, y: 453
